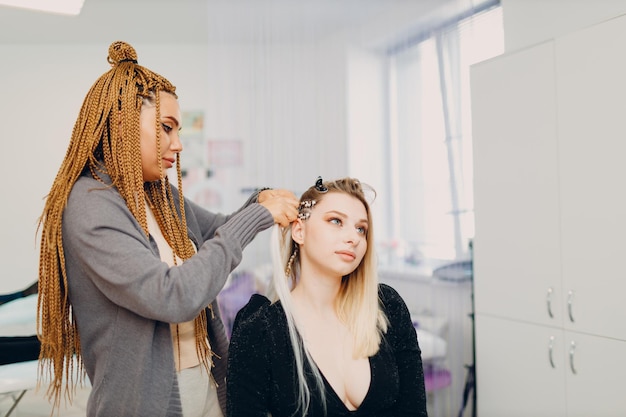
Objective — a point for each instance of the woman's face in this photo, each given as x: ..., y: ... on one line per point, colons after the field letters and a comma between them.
x: 169, y: 123
x: 333, y: 239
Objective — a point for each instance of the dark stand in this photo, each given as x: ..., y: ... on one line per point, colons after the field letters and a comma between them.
x: 470, y: 387
x: 470, y: 380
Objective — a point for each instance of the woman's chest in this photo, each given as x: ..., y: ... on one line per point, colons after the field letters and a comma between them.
x: 333, y: 355
x: 381, y: 391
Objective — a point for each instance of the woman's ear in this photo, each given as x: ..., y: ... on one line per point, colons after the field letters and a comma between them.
x: 297, y: 231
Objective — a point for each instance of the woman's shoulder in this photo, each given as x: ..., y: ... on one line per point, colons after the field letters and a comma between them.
x: 392, y: 302
x: 256, y: 324
x: 258, y: 313
x: 88, y: 190
x: 93, y: 202
x: 388, y: 294
x: 254, y: 308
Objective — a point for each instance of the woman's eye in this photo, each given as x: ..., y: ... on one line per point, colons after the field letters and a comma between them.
x: 361, y: 230
x: 167, y: 128
x: 336, y: 221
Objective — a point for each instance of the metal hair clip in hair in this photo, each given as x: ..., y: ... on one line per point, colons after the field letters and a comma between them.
x: 304, y: 210
x: 319, y: 185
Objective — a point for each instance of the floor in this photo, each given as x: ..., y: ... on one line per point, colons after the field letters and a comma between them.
x: 35, y: 404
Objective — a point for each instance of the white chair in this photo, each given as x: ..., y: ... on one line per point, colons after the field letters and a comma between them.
x: 15, y: 380
x: 18, y: 348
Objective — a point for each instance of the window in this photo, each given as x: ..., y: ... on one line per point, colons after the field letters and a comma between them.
x: 429, y: 144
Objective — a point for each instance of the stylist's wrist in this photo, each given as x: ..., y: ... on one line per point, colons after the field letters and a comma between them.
x: 263, y: 194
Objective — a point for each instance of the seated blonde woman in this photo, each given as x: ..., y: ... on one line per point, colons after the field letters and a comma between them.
x: 332, y: 340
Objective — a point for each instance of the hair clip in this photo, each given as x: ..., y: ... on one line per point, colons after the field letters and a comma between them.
x: 307, y: 204
x: 319, y: 185
x: 304, y: 210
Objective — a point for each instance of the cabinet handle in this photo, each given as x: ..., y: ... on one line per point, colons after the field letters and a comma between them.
x: 572, y: 349
x: 550, y: 349
x: 549, y: 302
x: 570, y: 301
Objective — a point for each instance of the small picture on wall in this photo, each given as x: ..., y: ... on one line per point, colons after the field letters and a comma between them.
x: 195, y: 151
x: 225, y: 153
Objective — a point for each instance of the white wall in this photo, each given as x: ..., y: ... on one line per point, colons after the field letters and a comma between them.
x: 286, y: 104
x: 366, y: 105
x: 43, y: 87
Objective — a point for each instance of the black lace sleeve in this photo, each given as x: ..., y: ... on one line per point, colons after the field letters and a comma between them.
x: 403, y: 338
x: 248, y: 379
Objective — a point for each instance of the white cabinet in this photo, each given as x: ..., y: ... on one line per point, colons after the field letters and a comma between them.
x: 526, y: 370
x: 550, y: 160
x: 597, y: 387
x: 516, y: 375
x: 516, y: 249
x: 591, y: 86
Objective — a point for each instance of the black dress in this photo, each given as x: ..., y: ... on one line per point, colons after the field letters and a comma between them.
x: 262, y: 377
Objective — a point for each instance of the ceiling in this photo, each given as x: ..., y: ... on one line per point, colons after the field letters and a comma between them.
x: 207, y: 21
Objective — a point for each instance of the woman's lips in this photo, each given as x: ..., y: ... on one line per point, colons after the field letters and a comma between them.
x: 348, y: 255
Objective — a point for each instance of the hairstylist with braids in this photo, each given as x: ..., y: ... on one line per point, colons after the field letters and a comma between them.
x: 129, y: 269
x: 332, y: 342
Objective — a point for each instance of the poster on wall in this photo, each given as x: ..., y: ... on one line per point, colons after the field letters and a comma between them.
x: 225, y: 153
x: 210, y: 167
x: 194, y: 142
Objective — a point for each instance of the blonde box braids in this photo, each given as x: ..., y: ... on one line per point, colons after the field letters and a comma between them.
x: 105, y: 140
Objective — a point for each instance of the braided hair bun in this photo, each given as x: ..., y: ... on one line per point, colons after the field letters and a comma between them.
x: 120, y: 51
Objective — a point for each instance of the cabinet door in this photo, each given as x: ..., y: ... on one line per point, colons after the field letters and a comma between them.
x: 597, y: 386
x: 516, y: 246
x: 520, y: 369
x: 591, y: 74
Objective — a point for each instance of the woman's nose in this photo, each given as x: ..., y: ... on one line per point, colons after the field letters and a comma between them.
x: 176, y: 145
x: 353, y: 237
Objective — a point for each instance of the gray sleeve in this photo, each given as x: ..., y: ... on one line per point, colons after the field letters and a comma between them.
x: 208, y: 222
x: 104, y: 244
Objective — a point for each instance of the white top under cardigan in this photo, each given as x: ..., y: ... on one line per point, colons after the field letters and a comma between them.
x: 197, y: 390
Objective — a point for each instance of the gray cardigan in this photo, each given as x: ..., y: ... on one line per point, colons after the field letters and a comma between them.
x: 124, y: 297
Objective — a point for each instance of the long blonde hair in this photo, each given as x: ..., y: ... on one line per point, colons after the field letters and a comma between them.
x: 105, y: 141
x: 357, y: 304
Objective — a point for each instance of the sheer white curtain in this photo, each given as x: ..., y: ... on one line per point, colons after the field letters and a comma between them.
x: 430, y: 162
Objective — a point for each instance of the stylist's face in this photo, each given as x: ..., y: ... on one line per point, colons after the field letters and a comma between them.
x: 154, y: 161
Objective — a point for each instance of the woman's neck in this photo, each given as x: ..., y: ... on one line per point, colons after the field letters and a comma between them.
x: 316, y: 293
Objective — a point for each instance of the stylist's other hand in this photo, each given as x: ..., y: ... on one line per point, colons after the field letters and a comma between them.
x: 283, y: 204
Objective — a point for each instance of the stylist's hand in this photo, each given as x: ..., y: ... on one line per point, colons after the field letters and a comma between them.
x: 283, y: 204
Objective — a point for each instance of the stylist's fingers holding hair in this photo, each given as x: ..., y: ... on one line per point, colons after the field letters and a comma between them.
x: 271, y: 193
x: 283, y: 205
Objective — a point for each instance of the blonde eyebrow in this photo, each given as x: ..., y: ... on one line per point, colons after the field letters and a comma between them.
x: 339, y: 213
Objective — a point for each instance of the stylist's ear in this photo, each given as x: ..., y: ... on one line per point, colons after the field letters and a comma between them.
x: 297, y: 231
